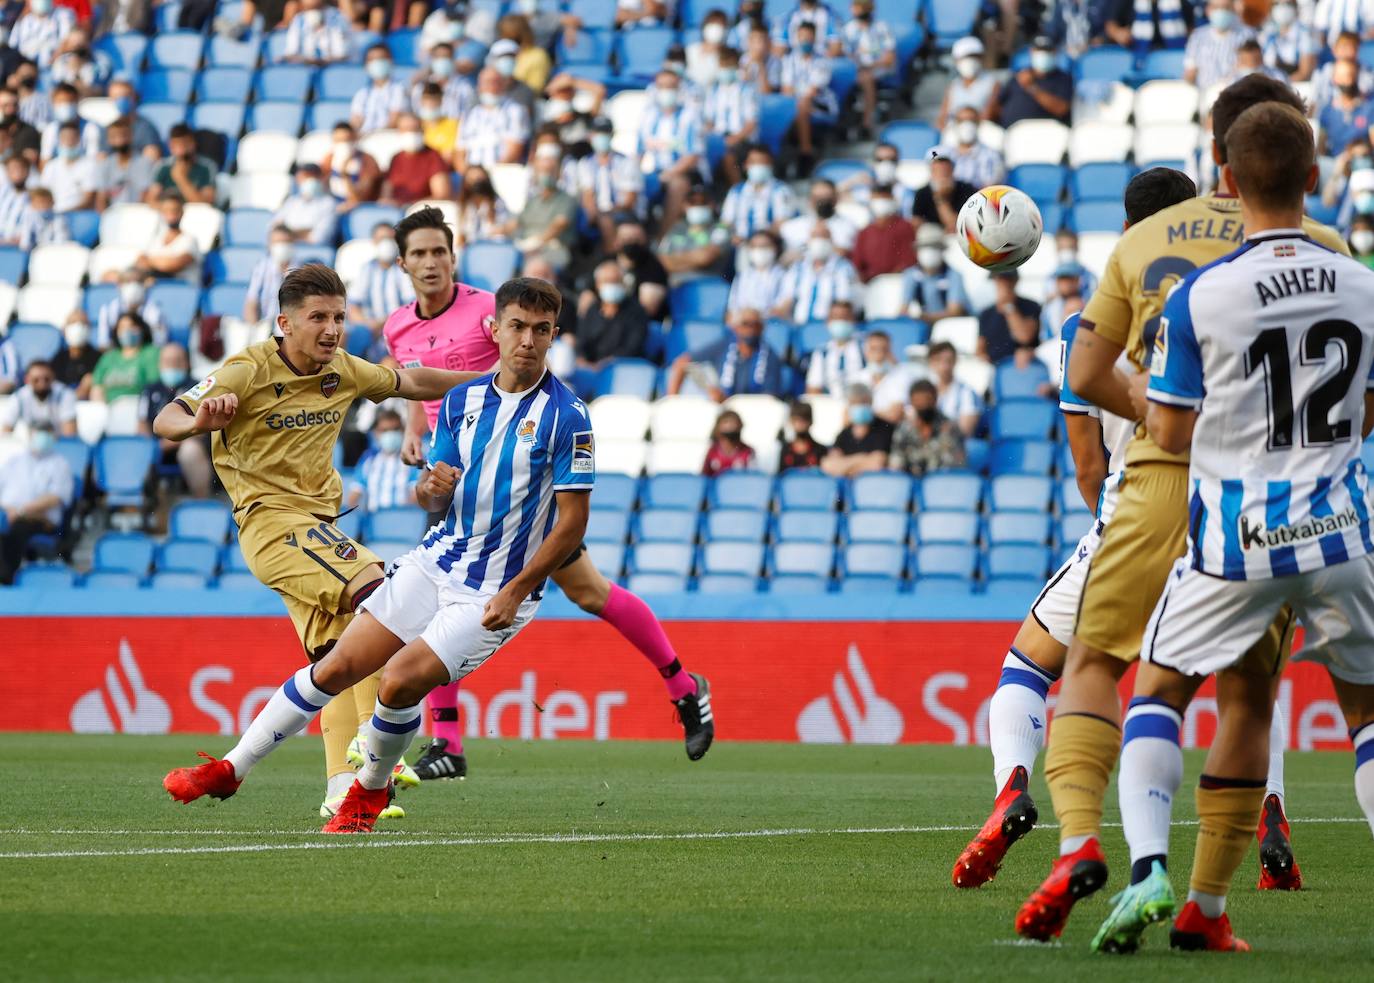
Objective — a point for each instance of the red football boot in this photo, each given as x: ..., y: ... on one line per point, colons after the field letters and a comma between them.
x: 215, y: 777
x: 1013, y: 816
x: 1278, y: 870
x: 1074, y: 877
x: 1194, y: 930
x: 359, y: 810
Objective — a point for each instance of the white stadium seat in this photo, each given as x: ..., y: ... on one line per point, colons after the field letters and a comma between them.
x: 1035, y: 141
x: 352, y: 256
x: 100, y: 110
x: 619, y: 417
x: 682, y: 418
x: 124, y: 417
x: 977, y: 281
x: 111, y: 259
x: 129, y: 224
x: 625, y: 109
x: 621, y: 456
x: 827, y: 417
x: 449, y: 209
x: 9, y: 299
x: 58, y: 265
x: 1094, y: 249
x: 203, y: 222
x: 512, y: 185
x: 312, y: 148
x: 857, y: 213
x: 992, y: 135
x: 1115, y: 107
x: 1165, y: 101
x: 974, y: 373
x: 1096, y: 142
x: 681, y: 456
x: 961, y: 332
x: 266, y: 152
x: 885, y: 296
x: 259, y: 190
x: 914, y: 174
x: 382, y: 145
x: 48, y: 305
x: 1166, y: 142
x: 764, y: 418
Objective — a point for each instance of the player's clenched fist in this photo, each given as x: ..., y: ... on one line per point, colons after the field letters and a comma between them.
x: 439, y: 481
x: 216, y: 413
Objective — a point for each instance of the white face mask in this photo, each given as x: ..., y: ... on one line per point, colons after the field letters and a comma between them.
x: 968, y: 67
x: 885, y: 171
x: 761, y: 256
x: 699, y: 215
x: 841, y: 329
x: 882, y: 207
x: 79, y: 332
x: 584, y: 103
x: 310, y: 187
x: 1042, y: 61
x: 819, y: 248
x: 555, y: 108
x: 281, y: 252
x: 601, y: 142
x: 342, y: 152
x: 441, y: 67
x: 759, y: 173
x: 313, y: 18
x: 1284, y: 14
x: 1362, y: 241
x: 966, y: 131
x: 667, y: 98
x: 1067, y: 256
x: 506, y: 65
x: 387, y: 251
x: 548, y: 151
x: 713, y: 33
x: 489, y: 98
x: 930, y: 257
x: 611, y: 293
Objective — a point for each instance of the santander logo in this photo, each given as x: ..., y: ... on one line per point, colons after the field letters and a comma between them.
x: 137, y: 709
x: 856, y: 715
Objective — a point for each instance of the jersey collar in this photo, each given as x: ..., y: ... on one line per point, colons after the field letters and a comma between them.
x: 281, y: 353
x: 520, y: 395
x: 440, y: 312
x: 1276, y: 234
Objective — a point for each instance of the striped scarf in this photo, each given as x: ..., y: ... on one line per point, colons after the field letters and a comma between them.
x: 731, y: 366
x: 1162, y: 18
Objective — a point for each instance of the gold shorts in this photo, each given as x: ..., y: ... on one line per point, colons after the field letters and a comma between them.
x: 309, y: 563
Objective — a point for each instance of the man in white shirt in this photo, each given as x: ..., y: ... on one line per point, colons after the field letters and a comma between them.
x: 41, y: 400
x: 70, y: 175
x: 34, y: 489
x: 310, y: 215
x: 840, y: 362
x: 796, y: 231
x: 317, y: 35
x: 173, y: 253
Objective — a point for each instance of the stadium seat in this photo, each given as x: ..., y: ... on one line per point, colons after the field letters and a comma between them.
x: 223, y: 52
x: 674, y: 491
x: 233, y: 264
x: 912, y: 138
x: 1035, y: 141
x: 360, y: 220
x: 890, y: 490
x: 869, y: 584
x: 247, y: 227
x: 630, y: 377
x: 124, y: 416
x: 1019, y: 562
x: 675, y: 456
x: 223, y: 85
x: 402, y: 522
x: 607, y: 526
x: 1031, y: 493
x: 1019, y: 529
x: 957, y: 492
x: 126, y: 51
x: 36, y: 341
x: 764, y: 418
x: 111, y: 580
x: 590, y: 47
x: 489, y: 264
x: 225, y: 298
x: 1163, y: 143
x: 741, y: 490
x: 803, y: 490
x: 46, y: 576
x: 1021, y: 457
x: 231, y: 559
x: 176, y: 49
x: 806, y: 526
x: 327, y: 114
x: 390, y: 550
x: 745, y: 559
x: 1097, y: 216
x: 939, y: 526
x: 946, y: 560
x: 1043, y: 182
x: 1108, y: 63
x: 885, y: 297
x: 776, y: 114
x: 666, y: 525
x: 340, y: 82
x: 807, y: 559
x: 1023, y: 419
x: 615, y: 491
x: 639, y: 51
x: 700, y: 300
x: 206, y: 521
x: 727, y: 583
x: 620, y: 457
x: 285, y: 83
x: 619, y: 417
x: 58, y: 265
x: 13, y: 262
x: 191, y: 555
x: 592, y: 13
x: 1100, y: 141
x: 798, y: 583
x: 1012, y: 383
x: 163, y: 116
x: 1103, y: 181
x: 121, y: 468
x: 838, y: 169
x: 674, y: 558
x: 129, y: 224
x: 84, y: 226
x: 78, y: 456
x: 123, y: 552
x: 239, y: 582
x: 735, y: 525
x: 179, y: 302
x: 658, y: 583
x: 279, y: 117
x: 682, y: 418
x: 874, y: 560
x: 961, y: 332
x: 405, y: 47
x: 877, y: 527
x: 1161, y: 63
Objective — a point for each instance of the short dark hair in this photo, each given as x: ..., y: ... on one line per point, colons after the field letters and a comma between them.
x: 378, y: 46
x: 876, y: 332
x: 530, y: 293
x: 801, y: 410
x: 923, y: 386
x: 1271, y: 151
x: 38, y: 363
x: 65, y: 89
x: 343, y: 124
x: 310, y: 280
x: 428, y: 217
x: 384, y: 415
x: 180, y: 130
x: 1154, y: 190
x: 1243, y: 93
x: 940, y: 348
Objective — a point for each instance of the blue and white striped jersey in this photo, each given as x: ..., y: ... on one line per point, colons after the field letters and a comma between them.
x: 1273, y: 345
x: 1116, y: 432
x: 386, y: 480
x: 515, y: 450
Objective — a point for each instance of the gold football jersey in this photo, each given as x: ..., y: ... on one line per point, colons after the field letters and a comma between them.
x: 279, y: 449
x: 1151, y: 257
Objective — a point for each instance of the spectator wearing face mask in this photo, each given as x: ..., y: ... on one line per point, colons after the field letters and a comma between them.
x: 377, y: 105
x: 351, y: 174
x: 547, y: 225
x: 865, y: 442
x: 1210, y: 56
x: 440, y: 131
x: 733, y: 366
x: 310, y: 213
x: 806, y: 76
x: 1250, y: 61
x: 416, y: 172
x: 870, y: 44
x: 131, y: 298
x: 42, y: 225
x: 956, y: 399
x: 938, y: 203
x: 69, y: 175
x: 38, y: 32
x: 173, y: 253
x: 974, y: 162
x: 703, y: 54
x: 728, y: 451
x: 885, y: 244
x: 532, y: 62
x: 23, y: 138
x: 971, y: 85
x: 642, y: 13
x: 184, y: 172
x: 814, y: 282
x: 926, y: 441
x: 90, y: 141
x: 260, y: 303
x: 76, y: 64
x: 495, y: 130
x: 644, y: 273
x: 672, y: 144
x: 758, y: 64
x: 382, y: 480
x: 879, y: 362
x: 802, y: 451
x: 840, y: 361
x: 761, y: 282
x: 1348, y: 115
x: 143, y: 134
x: 1346, y: 47
x: 41, y: 400
x: 469, y: 29
x: 192, y: 457
x: 35, y: 489
x: 457, y: 94
x: 1362, y: 239
x: 760, y: 201
x: 615, y: 326
x: 1067, y: 278
x: 1011, y: 324
x: 731, y: 112
x: 823, y: 200
x: 75, y: 362
x: 482, y: 214
x: 933, y: 290
x: 129, y: 368
x: 1066, y: 251
x: 699, y: 244
x: 382, y: 286
x: 317, y: 35
x: 607, y: 181
x: 1042, y: 91
x: 122, y: 175
x: 14, y: 201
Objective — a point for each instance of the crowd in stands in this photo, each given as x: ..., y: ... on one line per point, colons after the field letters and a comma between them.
x: 680, y: 168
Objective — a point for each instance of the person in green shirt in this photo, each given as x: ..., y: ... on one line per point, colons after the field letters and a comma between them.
x: 1362, y: 239
x: 131, y: 366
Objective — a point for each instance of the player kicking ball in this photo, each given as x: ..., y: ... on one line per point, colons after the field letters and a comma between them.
x: 512, y: 464
x: 449, y: 325
x: 1262, y: 365
x: 277, y: 408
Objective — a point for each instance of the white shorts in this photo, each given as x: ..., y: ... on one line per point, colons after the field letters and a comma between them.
x: 418, y: 601
x: 1203, y: 624
x: 1056, y: 609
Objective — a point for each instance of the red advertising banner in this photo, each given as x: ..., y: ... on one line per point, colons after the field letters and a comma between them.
x: 837, y: 682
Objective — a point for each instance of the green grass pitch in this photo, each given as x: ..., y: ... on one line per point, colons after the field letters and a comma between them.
x: 600, y: 862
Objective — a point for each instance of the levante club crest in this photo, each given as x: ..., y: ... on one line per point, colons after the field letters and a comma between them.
x: 328, y: 384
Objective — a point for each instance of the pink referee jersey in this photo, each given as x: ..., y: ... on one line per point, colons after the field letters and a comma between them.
x: 458, y: 338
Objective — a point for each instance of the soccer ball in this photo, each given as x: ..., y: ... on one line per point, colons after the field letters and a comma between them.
x: 999, y: 228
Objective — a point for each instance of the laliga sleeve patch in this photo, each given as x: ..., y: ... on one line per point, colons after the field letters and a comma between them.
x: 201, y: 388
x: 1159, y: 353
x: 584, y: 455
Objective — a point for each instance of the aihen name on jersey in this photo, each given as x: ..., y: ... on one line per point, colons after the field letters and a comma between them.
x: 1253, y: 535
x: 303, y: 418
x: 1304, y: 280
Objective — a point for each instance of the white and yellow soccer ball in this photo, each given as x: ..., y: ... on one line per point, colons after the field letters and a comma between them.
x: 999, y: 228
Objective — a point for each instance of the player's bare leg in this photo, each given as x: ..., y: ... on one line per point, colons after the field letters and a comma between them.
x: 1016, y: 732
x: 1357, y: 704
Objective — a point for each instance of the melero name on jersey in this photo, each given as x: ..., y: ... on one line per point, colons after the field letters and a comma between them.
x: 1303, y: 280
x: 294, y: 421
x: 1228, y: 229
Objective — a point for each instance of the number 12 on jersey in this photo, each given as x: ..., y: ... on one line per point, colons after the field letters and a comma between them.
x: 1269, y: 354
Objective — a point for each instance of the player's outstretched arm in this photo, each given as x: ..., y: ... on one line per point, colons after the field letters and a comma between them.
x: 1089, y: 463
x: 430, y: 384
x: 434, y: 491
x: 1093, y: 374
x: 175, y: 422
x: 1171, y: 427
x: 568, y: 530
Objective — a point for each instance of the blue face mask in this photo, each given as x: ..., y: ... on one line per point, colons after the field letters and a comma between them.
x: 171, y: 378
x: 861, y: 415
x: 124, y: 105
x: 389, y: 441
x: 806, y: 47
x: 41, y: 441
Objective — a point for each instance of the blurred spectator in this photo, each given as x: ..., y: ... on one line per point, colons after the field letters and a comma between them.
x: 806, y: 77
x: 23, y: 138
x: 547, y: 225
x: 761, y: 282
x: 184, y: 172
x: 1066, y: 251
x: 787, y: 28
x: 760, y: 201
x: 35, y: 488
x: 1345, y: 48
x: 732, y: 113
x: 382, y: 480
x: 562, y: 356
x: 76, y: 360
x: 89, y: 139
x: 145, y: 136
x: 131, y: 367
x: 699, y: 244
x: 572, y: 104
x: 532, y: 62
x: 865, y: 442
x: 641, y: 13
x: 11, y: 367
x: 926, y: 441
x: 173, y: 253
x: 317, y: 35
x: 41, y: 225
x: 957, y: 400
x: 416, y: 172
x: 940, y: 200
x: 1250, y: 60
x: 70, y: 174
x: 1068, y: 278
x: 192, y: 456
x: 377, y: 104
x: 802, y: 451
x: 885, y: 244
x: 351, y: 173
x: 382, y: 286
x: 613, y: 327
x: 971, y: 86
x: 933, y: 290
x: 732, y: 366
x: 260, y: 303
x: 606, y: 181
x: 124, y: 16
x: 14, y: 200
x: 672, y: 144
x: 704, y: 54
x: 1335, y: 19
x: 630, y: 248
x: 458, y: 93
x: 974, y: 162
x: 37, y: 34
x: 34, y: 107
x: 878, y: 362
x: 1362, y: 239
x: 870, y: 44
x: 840, y: 361
x: 821, y: 277
x: 728, y: 451
x: 823, y: 200
x: 75, y: 63
x: 1210, y: 56
x: 1010, y: 324
x: 1359, y: 196
x: 1348, y: 114
x: 1078, y: 26
x: 310, y: 213
x: 42, y: 400
x: 122, y: 175
x: 470, y: 29
x: 502, y: 56
x: 441, y: 132
x: 859, y: 188
x: 131, y: 298
x: 496, y: 129
x: 758, y: 64
x: 546, y: 18
x: 1042, y: 91
x: 481, y: 214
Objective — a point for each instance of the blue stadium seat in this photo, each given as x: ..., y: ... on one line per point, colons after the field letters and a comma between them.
x: 78, y: 456
x: 276, y: 117
x: 1022, y: 457
x: 223, y: 85
x: 592, y: 47
x: 727, y: 583
x: 976, y: 454
x: 35, y: 341
x: 126, y: 52
x: 1043, y: 182
x: 239, y: 582
x: 1022, y: 492
x: 690, y: 335
x: 957, y: 528
x: 172, y: 85
x: 1052, y: 214
x: 46, y: 576
x: 121, y: 468
x: 219, y: 117
x: 666, y: 525
x: 402, y: 522
x: 231, y: 559
x: 674, y: 558
x: 179, y: 302
x: 877, y: 527
x: 96, y: 296
x: 176, y: 49
x: 903, y: 331
x: 803, y: 490
x: 658, y: 583
x: 937, y: 587
x: 700, y: 300
x: 123, y: 552
x: 285, y: 83
x: 745, y: 559
x: 247, y: 227
x: 776, y: 114
x: 869, y: 584
x: 912, y: 138
x: 742, y: 490
x: 1070, y: 498
x: 1160, y: 64
x: 405, y: 46
x: 954, y: 491
x: 163, y: 116
x: 593, y: 13
x: 489, y: 264
x: 360, y: 220
x: 890, y: 490
x: 1103, y: 181
x: 615, y: 491
x: 609, y: 558
x: 1018, y: 529
x: 340, y: 82
x: 311, y: 253
x: 1024, y: 419
x: 946, y: 560
x: 274, y: 46
x: 84, y: 225
x: 225, y: 298
x: 225, y: 52
x: 628, y: 377
x: 607, y: 526
x: 207, y: 521
x: 735, y: 525
x: 1098, y: 216
x: 110, y: 580
x: 350, y: 524
x: 192, y: 555
x: 1027, y: 562
x: 806, y: 526
x: 233, y: 264
x: 14, y: 263
x: 640, y: 50
x: 798, y: 583
x: 839, y: 169
x: 950, y: 20
x: 1072, y: 527
x: 875, y: 559
x: 1108, y: 63
x: 325, y: 114
x: 808, y: 559
x: 389, y: 550
x: 674, y: 491
x: 177, y: 580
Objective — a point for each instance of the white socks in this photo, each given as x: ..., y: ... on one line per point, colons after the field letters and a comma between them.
x: 1364, y: 770
x: 1211, y: 905
x: 1278, y: 743
x: 288, y: 712
x: 388, y: 735
x: 1151, y: 771
x: 1016, y: 716
x: 338, y: 784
